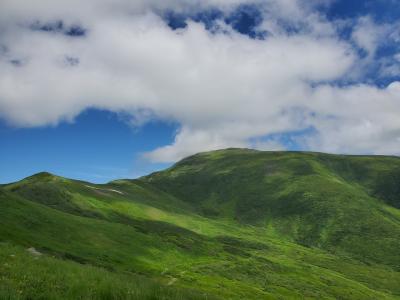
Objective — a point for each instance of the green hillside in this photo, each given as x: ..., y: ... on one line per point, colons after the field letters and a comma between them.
x: 228, y: 224
x: 337, y: 203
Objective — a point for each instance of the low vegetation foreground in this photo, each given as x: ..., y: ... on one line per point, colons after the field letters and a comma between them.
x: 227, y: 224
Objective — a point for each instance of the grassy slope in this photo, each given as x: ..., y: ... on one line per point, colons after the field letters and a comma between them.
x: 234, y: 223
x: 338, y: 203
x: 23, y: 276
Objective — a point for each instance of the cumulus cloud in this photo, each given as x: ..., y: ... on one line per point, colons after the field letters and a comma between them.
x: 367, y: 35
x: 365, y: 119
x: 224, y: 88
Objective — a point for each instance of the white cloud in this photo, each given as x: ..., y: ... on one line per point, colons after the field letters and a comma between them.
x: 370, y: 36
x: 367, y: 35
x: 224, y: 89
x: 357, y: 119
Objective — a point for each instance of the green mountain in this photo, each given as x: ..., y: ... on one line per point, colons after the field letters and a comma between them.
x: 227, y: 224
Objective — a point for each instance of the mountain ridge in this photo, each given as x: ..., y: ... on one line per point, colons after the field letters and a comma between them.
x: 229, y: 223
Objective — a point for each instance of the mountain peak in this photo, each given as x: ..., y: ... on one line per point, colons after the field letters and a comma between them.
x: 46, y: 176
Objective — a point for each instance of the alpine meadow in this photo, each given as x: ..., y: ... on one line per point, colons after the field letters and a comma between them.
x: 227, y: 224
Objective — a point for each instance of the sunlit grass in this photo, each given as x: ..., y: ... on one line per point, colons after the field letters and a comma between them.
x: 234, y: 224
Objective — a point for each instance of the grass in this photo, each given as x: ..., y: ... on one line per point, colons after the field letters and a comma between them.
x: 231, y: 224
x: 25, y: 276
x: 317, y: 200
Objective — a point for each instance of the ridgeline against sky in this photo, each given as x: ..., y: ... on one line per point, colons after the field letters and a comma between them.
x: 227, y: 224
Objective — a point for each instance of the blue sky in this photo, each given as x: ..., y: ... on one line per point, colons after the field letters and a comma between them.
x: 122, y: 92
x: 98, y: 146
